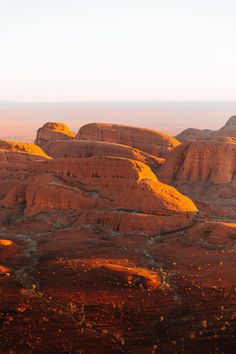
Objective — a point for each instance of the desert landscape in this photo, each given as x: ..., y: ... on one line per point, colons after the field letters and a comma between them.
x: 118, y: 239
x: 117, y: 177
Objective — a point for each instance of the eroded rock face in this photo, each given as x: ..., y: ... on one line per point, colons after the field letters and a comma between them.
x: 150, y: 141
x: 229, y: 129
x: 195, y: 134
x: 215, y: 235
x: 123, y: 194
x: 212, y: 161
x: 83, y: 148
x: 20, y: 152
x: 52, y: 132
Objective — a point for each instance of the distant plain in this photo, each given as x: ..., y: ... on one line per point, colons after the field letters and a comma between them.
x: 170, y: 117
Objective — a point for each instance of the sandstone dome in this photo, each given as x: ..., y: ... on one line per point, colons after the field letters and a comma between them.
x: 20, y: 152
x: 209, y: 161
x: 86, y: 148
x: 150, y: 141
x: 121, y: 193
x: 52, y: 132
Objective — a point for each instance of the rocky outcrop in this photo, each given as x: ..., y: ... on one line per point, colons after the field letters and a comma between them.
x: 150, y: 141
x: 206, y: 172
x: 20, y: 152
x: 120, y: 193
x: 229, y: 129
x: 195, y: 134
x: 83, y: 148
x: 124, y: 274
x: 215, y: 234
x: 15, y: 159
x: 52, y: 132
x: 212, y: 161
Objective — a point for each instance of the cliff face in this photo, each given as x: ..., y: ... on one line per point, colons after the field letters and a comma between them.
x: 82, y: 148
x: 201, y: 162
x: 150, y: 141
x: 52, y: 132
x: 120, y: 193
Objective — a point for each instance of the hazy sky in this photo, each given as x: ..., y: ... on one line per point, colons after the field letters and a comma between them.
x: 82, y: 50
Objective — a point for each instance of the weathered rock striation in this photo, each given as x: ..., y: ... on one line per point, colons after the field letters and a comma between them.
x: 123, y: 194
x: 150, y: 141
x: 206, y: 172
x: 84, y: 148
x: 52, y: 132
x: 212, y: 161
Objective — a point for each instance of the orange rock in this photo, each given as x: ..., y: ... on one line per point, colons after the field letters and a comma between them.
x: 20, y: 152
x: 52, y: 132
x: 216, y: 233
x: 4, y: 270
x: 212, y: 161
x: 121, y: 193
x: 82, y: 148
x: 6, y: 243
x: 126, y: 274
x: 150, y: 141
x: 15, y: 158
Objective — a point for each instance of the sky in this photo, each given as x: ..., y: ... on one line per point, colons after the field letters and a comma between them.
x: 117, y: 50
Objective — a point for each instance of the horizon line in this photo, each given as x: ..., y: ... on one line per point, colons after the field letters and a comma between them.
x: 210, y: 100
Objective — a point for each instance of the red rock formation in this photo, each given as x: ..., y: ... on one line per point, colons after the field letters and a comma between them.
x: 123, y: 194
x: 84, y: 270
x: 212, y: 161
x: 52, y: 132
x: 15, y: 158
x: 150, y: 141
x: 229, y: 129
x: 216, y: 234
x: 195, y: 134
x: 84, y: 148
x: 127, y: 275
x: 20, y: 152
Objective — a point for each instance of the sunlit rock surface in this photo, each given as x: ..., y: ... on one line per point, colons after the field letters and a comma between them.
x: 52, y: 132
x: 151, y: 141
x: 83, y: 148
